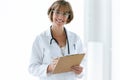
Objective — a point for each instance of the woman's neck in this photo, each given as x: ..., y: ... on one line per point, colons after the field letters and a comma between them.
x: 58, y: 31
x: 59, y: 35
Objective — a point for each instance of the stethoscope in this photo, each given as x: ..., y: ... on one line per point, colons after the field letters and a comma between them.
x: 57, y: 41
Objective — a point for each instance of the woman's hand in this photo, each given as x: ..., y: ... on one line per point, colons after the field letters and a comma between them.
x: 77, y: 69
x: 52, y: 65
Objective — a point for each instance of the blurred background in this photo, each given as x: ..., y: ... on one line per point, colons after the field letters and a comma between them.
x: 97, y: 22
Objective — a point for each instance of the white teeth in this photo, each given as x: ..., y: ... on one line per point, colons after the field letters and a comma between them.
x: 59, y: 21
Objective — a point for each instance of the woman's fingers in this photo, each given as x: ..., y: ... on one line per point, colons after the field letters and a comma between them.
x: 77, y: 69
x: 52, y: 65
x: 54, y: 62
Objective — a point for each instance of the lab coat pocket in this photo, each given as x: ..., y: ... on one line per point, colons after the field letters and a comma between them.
x: 73, y: 49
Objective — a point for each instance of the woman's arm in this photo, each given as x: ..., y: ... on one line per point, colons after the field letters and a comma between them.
x: 36, y: 66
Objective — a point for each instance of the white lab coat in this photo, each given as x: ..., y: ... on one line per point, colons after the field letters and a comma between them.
x: 43, y: 52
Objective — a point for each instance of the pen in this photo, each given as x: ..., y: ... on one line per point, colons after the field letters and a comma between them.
x: 74, y: 46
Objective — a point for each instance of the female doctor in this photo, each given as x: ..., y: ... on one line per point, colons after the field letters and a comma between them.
x: 55, y: 42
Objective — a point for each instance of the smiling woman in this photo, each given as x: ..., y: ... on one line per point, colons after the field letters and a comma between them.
x: 18, y: 27
x: 56, y: 41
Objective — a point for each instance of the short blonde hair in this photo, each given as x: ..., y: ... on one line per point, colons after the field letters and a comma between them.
x: 57, y: 5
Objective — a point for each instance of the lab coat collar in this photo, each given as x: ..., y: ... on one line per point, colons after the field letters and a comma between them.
x: 49, y: 35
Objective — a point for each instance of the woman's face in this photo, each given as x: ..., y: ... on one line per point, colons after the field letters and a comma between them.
x: 60, y: 17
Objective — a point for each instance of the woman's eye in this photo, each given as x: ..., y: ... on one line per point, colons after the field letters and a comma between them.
x: 66, y: 14
x: 57, y: 12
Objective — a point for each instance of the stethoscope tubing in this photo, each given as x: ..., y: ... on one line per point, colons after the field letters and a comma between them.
x: 57, y: 41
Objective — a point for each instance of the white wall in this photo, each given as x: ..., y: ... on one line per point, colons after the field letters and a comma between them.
x: 98, y: 39
x: 20, y: 22
x: 115, y: 39
x: 115, y: 49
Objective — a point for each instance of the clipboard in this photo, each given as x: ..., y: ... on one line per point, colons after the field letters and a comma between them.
x: 65, y: 63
